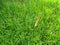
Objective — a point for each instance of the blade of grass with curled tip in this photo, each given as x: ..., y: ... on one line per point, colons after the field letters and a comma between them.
x: 37, y: 20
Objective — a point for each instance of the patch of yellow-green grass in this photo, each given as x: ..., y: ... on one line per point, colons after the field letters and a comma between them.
x: 30, y: 22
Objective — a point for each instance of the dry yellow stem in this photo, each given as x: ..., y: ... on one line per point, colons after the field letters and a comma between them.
x: 38, y: 18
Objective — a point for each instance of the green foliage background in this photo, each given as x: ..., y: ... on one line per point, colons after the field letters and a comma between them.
x: 17, y: 19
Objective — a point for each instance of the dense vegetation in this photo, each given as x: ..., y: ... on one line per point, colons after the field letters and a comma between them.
x: 18, y: 17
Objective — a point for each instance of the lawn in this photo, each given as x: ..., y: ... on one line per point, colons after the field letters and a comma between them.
x: 30, y: 22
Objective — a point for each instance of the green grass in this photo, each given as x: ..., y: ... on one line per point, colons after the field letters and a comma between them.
x: 17, y: 20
